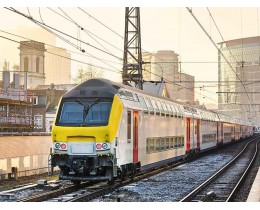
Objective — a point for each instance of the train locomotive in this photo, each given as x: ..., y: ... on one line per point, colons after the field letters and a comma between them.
x: 103, y: 130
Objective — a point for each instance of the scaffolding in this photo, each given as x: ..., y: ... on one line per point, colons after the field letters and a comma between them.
x: 15, y: 111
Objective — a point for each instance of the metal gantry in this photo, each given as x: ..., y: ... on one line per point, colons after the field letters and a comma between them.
x: 132, y: 66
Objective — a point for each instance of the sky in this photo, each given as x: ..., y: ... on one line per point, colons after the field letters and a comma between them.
x: 163, y: 27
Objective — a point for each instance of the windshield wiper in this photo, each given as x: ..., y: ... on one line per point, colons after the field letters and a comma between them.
x: 86, y: 108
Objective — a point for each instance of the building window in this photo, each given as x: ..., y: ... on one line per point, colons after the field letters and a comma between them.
x: 26, y: 64
x: 37, y: 65
x: 34, y: 99
x: 38, y: 122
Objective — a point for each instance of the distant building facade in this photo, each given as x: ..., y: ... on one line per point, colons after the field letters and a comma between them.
x: 57, y: 66
x: 45, y: 102
x: 16, y: 113
x: 32, y: 64
x: 236, y: 99
x: 165, y: 64
x: 183, y: 88
x: 9, y: 50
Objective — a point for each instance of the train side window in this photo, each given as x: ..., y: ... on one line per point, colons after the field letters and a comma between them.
x: 180, y: 111
x: 143, y: 104
x: 170, y: 109
x: 129, y: 123
x: 175, y: 142
x: 129, y: 95
x: 180, y: 141
x: 158, y: 144
x: 171, y: 143
x: 167, y: 145
x: 182, y: 138
x: 149, y: 104
x: 162, y: 144
x: 159, y: 105
x: 174, y: 110
x: 155, y: 107
x: 136, y: 97
x: 149, y: 146
x: 165, y: 108
x: 122, y: 94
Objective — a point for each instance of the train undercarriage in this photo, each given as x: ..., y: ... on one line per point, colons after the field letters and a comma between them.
x: 96, y: 168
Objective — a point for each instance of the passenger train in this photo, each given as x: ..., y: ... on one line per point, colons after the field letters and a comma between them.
x: 103, y: 130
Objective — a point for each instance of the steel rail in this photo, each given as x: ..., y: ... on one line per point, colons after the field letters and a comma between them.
x: 231, y: 196
x: 55, y: 193
x: 217, y: 174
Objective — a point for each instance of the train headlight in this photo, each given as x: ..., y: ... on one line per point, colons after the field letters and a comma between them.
x: 57, y: 146
x: 60, y: 146
x: 63, y: 146
x: 98, y: 146
x: 102, y: 146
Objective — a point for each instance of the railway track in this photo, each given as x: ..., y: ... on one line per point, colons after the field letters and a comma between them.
x: 223, y: 185
x: 56, y: 193
x: 88, y: 191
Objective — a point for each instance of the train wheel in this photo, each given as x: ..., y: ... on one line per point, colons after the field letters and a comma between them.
x: 111, y: 182
x: 76, y: 182
x: 121, y: 174
x: 109, y: 174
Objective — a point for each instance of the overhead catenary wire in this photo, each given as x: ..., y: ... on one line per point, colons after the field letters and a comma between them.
x: 81, y: 28
x: 100, y: 22
x: 82, y: 54
x: 43, y: 26
x: 41, y: 15
x: 82, y: 62
x: 190, y: 11
x: 50, y: 27
x: 144, y: 51
x: 109, y: 28
x: 183, y: 81
x: 241, y: 63
x: 171, y: 82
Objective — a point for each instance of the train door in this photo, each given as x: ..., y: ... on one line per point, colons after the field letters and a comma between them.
x: 193, y: 133
x: 221, y: 134
x: 135, y: 137
x: 198, y: 134
x: 218, y: 130
x: 188, y: 134
x: 232, y: 133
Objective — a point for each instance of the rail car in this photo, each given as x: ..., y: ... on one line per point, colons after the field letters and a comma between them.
x: 105, y: 130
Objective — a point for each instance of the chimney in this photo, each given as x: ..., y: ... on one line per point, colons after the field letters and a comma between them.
x: 6, y: 79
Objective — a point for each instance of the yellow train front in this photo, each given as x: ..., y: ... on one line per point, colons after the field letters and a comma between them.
x: 84, y: 132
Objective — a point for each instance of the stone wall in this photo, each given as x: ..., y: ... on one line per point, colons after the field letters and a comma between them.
x: 29, y: 154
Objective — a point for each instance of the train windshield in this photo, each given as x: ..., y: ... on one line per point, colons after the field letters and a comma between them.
x: 84, y: 113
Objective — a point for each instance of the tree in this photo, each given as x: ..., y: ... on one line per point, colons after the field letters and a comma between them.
x: 86, y: 74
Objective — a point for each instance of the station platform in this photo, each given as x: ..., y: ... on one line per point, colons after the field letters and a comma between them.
x: 254, y: 195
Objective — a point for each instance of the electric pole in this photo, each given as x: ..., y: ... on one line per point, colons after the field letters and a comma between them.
x: 132, y: 66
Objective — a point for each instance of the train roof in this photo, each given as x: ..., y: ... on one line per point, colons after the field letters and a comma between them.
x: 94, y: 88
x: 100, y: 87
